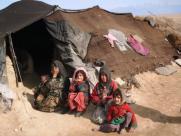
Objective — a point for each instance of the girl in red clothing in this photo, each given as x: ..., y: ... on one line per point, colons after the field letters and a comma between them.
x: 102, y: 95
x: 78, y: 92
x: 119, y: 115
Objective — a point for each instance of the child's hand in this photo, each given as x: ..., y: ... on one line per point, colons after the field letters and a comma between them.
x: 104, y: 95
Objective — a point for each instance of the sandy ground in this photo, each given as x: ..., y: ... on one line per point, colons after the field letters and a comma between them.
x: 176, y: 18
x: 157, y: 110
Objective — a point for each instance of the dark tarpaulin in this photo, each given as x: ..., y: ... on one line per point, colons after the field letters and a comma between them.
x: 21, y: 14
x: 71, y: 43
x: 17, y: 16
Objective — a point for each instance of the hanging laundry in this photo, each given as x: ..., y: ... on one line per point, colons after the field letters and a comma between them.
x: 137, y: 46
x: 118, y: 38
x: 111, y: 39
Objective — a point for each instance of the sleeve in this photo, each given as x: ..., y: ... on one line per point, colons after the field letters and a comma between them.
x: 109, y: 114
x: 94, y: 96
x: 72, y: 87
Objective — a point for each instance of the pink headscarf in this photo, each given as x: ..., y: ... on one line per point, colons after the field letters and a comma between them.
x: 78, y: 69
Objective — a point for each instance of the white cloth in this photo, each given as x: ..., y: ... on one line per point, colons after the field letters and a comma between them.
x: 6, y: 92
x: 118, y: 38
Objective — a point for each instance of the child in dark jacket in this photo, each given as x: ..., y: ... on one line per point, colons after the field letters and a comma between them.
x: 119, y: 115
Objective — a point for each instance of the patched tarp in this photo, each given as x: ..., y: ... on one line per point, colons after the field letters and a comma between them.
x: 71, y: 43
x: 21, y: 14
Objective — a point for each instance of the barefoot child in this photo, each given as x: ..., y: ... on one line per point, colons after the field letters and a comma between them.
x: 78, y: 92
x: 119, y: 115
x: 102, y: 95
x: 52, y: 88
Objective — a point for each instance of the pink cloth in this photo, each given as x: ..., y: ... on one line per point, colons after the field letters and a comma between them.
x: 111, y: 39
x: 77, y: 101
x: 137, y: 46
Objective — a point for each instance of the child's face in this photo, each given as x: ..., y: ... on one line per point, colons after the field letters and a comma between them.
x: 44, y: 78
x: 54, y: 70
x: 80, y: 77
x: 104, y: 78
x: 117, y: 99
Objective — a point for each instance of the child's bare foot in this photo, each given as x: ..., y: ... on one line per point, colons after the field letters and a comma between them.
x: 95, y: 129
x: 129, y: 130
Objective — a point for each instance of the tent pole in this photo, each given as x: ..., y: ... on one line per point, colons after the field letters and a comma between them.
x: 14, y: 60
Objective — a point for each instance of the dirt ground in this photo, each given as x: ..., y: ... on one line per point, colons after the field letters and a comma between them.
x: 158, y: 111
x: 158, y: 100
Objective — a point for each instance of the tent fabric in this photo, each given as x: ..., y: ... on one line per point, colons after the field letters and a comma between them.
x: 21, y: 14
x: 71, y: 44
x: 94, y: 21
x: 66, y: 33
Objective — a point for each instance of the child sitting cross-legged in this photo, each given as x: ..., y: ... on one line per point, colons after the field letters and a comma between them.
x: 78, y: 92
x: 119, y: 115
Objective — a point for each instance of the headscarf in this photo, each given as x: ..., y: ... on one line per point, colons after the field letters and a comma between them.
x: 61, y: 67
x: 105, y: 70
x: 78, y: 69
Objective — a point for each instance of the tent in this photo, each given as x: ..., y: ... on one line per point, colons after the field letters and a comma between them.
x: 76, y: 36
x: 24, y: 27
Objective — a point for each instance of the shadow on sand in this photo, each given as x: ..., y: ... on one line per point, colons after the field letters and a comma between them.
x: 155, y: 115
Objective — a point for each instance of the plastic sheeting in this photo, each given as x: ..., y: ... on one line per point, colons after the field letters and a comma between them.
x: 6, y: 97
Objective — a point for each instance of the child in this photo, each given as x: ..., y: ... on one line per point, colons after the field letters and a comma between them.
x: 119, y: 115
x: 52, y: 89
x: 41, y: 90
x: 78, y: 92
x: 102, y: 95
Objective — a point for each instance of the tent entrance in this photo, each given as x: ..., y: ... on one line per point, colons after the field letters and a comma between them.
x: 33, y: 48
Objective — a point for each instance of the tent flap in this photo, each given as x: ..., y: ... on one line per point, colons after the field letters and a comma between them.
x: 71, y: 43
x: 22, y: 13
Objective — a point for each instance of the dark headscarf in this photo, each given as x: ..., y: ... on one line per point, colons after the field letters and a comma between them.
x: 105, y: 70
x: 61, y: 67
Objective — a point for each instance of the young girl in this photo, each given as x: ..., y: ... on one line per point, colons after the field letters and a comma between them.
x: 78, y: 92
x: 102, y: 95
x: 52, y: 89
x: 119, y: 115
